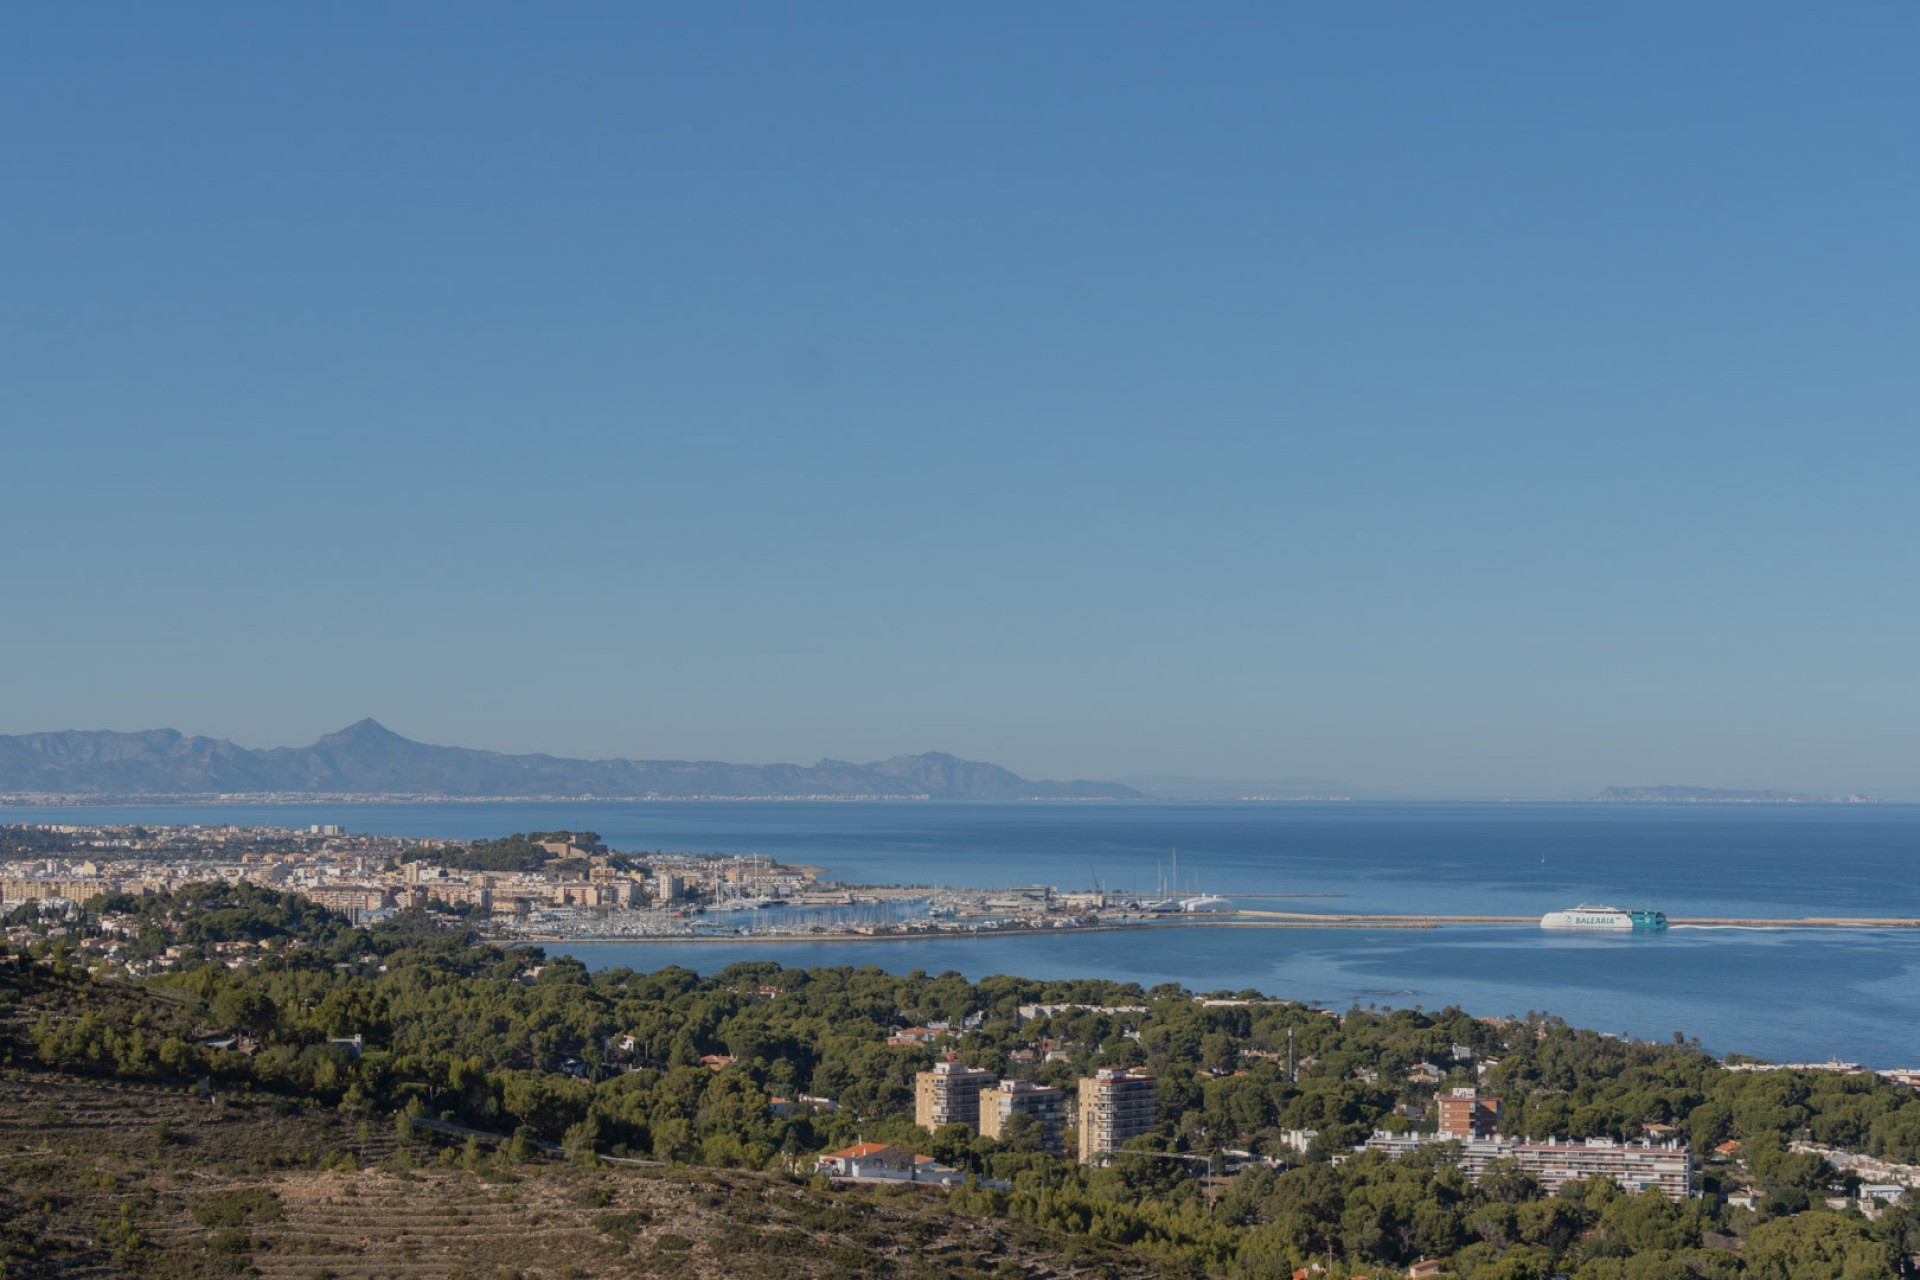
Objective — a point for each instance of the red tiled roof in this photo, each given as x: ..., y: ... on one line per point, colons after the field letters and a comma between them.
x: 858, y: 1151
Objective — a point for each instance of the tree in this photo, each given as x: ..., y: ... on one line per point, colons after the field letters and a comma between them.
x: 580, y: 1142
x: 246, y: 1009
x: 1816, y: 1246
x: 519, y: 1148
x: 951, y: 1143
x: 1020, y: 1132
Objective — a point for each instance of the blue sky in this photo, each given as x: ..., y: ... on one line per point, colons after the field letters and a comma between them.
x: 1467, y: 399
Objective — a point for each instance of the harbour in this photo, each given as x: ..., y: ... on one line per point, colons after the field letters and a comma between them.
x: 1770, y: 908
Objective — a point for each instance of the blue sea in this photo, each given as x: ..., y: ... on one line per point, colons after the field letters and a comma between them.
x: 1783, y: 994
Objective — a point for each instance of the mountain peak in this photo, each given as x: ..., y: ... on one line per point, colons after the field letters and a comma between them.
x: 362, y: 732
x: 907, y: 759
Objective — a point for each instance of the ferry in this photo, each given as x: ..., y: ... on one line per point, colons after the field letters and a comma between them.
x: 1589, y: 917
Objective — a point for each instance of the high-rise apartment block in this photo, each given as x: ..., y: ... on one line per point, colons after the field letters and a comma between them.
x: 1632, y: 1166
x: 1115, y: 1105
x: 949, y: 1094
x: 1011, y: 1098
x: 1467, y: 1116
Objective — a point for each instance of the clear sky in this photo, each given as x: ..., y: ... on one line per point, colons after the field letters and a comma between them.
x: 1511, y: 399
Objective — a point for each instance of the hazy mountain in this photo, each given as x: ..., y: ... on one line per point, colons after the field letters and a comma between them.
x: 369, y: 759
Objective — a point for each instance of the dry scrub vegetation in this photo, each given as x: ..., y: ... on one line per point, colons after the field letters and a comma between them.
x: 99, y: 1179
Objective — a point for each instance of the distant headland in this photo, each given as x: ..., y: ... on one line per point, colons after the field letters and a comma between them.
x: 1720, y: 795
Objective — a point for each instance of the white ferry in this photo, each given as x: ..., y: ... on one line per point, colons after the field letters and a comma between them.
x: 1588, y: 917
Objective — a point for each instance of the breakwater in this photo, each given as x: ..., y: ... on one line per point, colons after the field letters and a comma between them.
x: 1361, y: 921
x: 1221, y: 920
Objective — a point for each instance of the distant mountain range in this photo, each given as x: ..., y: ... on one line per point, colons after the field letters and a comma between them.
x: 369, y: 759
x: 1720, y: 795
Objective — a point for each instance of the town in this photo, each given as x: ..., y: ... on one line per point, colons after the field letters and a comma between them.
x: 547, y: 886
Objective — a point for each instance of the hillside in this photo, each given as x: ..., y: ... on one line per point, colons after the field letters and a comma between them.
x: 108, y: 1179
x: 105, y: 1176
x: 368, y: 759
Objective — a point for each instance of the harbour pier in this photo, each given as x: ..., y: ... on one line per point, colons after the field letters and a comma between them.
x: 1370, y: 921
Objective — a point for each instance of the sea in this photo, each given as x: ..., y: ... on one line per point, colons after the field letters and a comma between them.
x: 1785, y: 994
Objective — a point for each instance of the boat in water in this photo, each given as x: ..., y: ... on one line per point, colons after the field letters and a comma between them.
x: 1590, y: 917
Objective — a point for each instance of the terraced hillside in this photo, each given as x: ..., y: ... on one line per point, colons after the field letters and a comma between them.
x: 102, y: 1180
